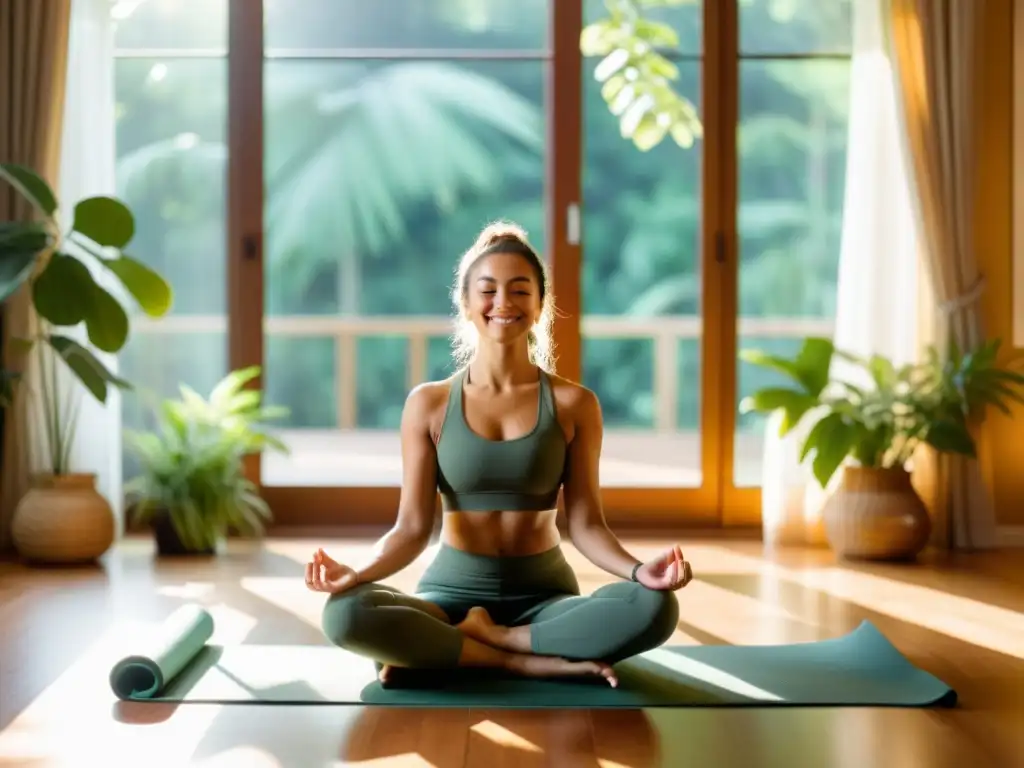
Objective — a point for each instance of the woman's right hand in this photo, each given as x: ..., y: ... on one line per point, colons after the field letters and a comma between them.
x: 324, y: 574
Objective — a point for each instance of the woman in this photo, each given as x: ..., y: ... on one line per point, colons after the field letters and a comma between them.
x: 498, y: 440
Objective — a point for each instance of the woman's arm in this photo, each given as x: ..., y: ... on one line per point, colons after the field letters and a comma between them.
x: 410, y: 534
x: 581, y: 492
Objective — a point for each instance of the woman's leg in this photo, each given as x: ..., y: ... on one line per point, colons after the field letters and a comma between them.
x: 399, y: 630
x: 615, y: 622
x: 391, y: 627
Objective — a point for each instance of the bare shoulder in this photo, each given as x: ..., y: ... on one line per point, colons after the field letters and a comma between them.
x: 575, y: 400
x: 426, y: 403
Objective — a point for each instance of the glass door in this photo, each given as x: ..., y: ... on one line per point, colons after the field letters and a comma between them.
x: 391, y: 134
x: 793, y: 71
x: 642, y: 275
x: 368, y: 145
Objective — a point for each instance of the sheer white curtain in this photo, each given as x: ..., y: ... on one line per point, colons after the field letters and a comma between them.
x: 876, y: 310
x: 87, y: 169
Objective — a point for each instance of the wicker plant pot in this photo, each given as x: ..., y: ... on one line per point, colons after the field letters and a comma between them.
x: 63, y: 519
x: 875, y: 514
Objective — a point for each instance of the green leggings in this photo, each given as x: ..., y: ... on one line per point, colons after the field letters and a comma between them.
x: 615, y: 622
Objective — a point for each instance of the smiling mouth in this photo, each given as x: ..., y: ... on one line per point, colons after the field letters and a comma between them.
x: 504, y: 319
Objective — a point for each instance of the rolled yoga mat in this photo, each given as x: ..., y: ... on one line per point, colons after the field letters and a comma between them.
x: 861, y: 668
x: 163, y: 655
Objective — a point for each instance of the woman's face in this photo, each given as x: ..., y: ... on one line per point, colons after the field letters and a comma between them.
x: 503, y: 297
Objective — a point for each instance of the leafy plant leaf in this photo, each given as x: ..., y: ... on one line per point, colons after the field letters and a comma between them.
x: 31, y: 185
x: 775, y: 362
x: 793, y: 403
x: 831, y: 440
x: 951, y: 437
x: 15, y: 269
x: 104, y: 220
x: 106, y: 321
x: 63, y: 292
x: 810, y: 368
x: 87, y: 368
x: 813, y: 363
x: 148, y: 288
x: 23, y: 235
x: 645, y: 102
x: 66, y: 294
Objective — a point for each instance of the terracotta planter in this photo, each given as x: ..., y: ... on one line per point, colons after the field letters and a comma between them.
x: 875, y: 514
x: 63, y: 519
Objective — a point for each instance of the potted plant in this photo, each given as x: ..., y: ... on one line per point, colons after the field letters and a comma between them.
x: 873, y: 426
x: 192, y: 488
x: 62, y: 518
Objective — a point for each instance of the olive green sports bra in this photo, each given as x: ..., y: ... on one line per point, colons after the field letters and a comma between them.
x: 477, y: 474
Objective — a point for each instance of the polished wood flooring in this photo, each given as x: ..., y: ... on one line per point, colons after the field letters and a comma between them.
x: 960, y: 617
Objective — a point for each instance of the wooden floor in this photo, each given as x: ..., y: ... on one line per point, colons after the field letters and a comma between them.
x: 961, y: 618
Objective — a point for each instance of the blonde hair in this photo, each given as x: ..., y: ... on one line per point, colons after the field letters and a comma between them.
x: 498, y: 237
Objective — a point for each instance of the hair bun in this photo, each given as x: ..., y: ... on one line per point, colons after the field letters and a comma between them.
x: 502, y: 232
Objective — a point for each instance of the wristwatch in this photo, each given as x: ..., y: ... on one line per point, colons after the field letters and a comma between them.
x: 636, y: 568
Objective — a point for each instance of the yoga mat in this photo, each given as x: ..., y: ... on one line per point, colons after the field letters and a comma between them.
x: 163, y: 654
x: 861, y: 668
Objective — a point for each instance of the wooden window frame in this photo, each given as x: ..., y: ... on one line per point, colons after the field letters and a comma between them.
x: 1017, y: 78
x: 716, y: 502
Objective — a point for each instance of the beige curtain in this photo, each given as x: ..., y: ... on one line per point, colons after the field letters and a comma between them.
x: 933, y: 47
x: 33, y: 69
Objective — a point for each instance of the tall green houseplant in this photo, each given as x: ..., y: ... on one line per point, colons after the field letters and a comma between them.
x: 59, y: 266
x: 881, y: 424
x: 66, y: 268
x: 870, y: 421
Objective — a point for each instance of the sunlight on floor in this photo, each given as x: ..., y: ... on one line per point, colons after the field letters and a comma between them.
x: 407, y: 760
x: 251, y: 757
x: 240, y: 757
x: 730, y: 617
x: 77, y: 705
x: 187, y: 591
x: 708, y: 674
x: 964, y: 619
x: 503, y: 736
x: 289, y: 595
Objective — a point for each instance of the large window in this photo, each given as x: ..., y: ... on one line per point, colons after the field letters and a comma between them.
x: 641, y: 278
x: 394, y: 131
x: 172, y: 112
x: 791, y: 159
x: 388, y: 134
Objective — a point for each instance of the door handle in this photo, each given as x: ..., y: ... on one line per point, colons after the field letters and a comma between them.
x: 250, y: 248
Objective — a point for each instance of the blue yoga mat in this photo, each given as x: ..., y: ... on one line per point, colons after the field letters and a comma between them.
x: 861, y: 668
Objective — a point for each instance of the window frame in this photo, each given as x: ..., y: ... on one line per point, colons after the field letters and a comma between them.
x: 717, y: 502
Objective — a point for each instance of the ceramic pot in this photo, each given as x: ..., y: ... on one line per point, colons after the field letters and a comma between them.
x: 63, y: 519
x: 876, y: 514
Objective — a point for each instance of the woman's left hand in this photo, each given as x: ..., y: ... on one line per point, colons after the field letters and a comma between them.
x: 669, y: 571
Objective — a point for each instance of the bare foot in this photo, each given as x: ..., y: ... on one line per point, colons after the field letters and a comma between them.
x: 385, y: 674
x: 553, y: 666
x: 479, y: 625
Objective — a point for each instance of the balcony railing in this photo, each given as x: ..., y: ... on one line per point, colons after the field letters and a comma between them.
x: 665, y: 332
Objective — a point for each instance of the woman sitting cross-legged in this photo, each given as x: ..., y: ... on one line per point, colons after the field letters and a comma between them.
x: 498, y: 441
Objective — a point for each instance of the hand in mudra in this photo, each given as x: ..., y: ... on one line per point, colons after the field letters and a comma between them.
x: 324, y: 574
x: 669, y: 571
